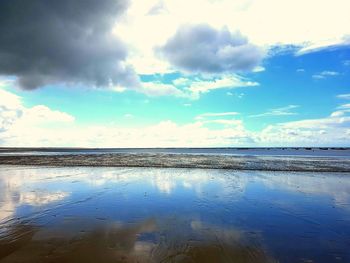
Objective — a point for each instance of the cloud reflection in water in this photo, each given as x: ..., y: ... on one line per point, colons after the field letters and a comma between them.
x: 171, y: 215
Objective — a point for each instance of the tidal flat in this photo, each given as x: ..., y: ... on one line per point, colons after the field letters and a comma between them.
x: 123, y: 214
x: 283, y: 163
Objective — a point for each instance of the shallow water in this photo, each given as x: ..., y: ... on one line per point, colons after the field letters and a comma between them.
x: 113, y: 214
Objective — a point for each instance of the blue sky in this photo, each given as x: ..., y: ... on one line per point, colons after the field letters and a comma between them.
x: 198, y: 82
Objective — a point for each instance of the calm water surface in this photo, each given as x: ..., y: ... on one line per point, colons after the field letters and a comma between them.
x: 172, y: 215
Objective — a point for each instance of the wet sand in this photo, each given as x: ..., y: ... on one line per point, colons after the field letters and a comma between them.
x: 163, y: 160
x: 110, y: 214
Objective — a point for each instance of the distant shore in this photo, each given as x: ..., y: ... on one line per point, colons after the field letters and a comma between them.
x: 164, y: 160
x: 237, y: 151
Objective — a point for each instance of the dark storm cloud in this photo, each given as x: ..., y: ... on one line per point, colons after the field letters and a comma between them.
x: 201, y: 48
x: 46, y: 42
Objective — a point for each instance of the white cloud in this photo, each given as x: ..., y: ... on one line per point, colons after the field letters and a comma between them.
x: 324, y: 44
x: 128, y: 116
x: 199, y: 85
x: 317, y: 124
x: 233, y: 81
x: 329, y: 73
x: 239, y: 95
x: 237, y: 123
x: 10, y: 109
x: 344, y: 106
x: 216, y: 114
x: 150, y: 23
x: 193, y: 88
x: 258, y: 69
x: 331, y: 131
x: 148, y: 64
x: 283, y: 111
x: 42, y: 126
x: 160, y: 89
x: 265, y: 23
x: 344, y: 96
x: 8, y: 100
x: 325, y: 74
x: 278, y: 17
x: 338, y: 113
x: 25, y: 124
x: 41, y: 114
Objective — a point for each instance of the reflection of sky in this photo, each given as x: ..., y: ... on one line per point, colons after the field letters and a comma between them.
x: 283, y: 209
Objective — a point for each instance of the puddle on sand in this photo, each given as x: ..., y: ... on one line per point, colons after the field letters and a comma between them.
x: 172, y: 215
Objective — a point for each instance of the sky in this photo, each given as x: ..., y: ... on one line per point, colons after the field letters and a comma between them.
x: 199, y: 73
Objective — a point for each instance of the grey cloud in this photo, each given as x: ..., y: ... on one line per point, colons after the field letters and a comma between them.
x: 201, y: 48
x: 47, y: 42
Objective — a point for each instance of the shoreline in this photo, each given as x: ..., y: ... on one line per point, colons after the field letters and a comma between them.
x: 160, y: 160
